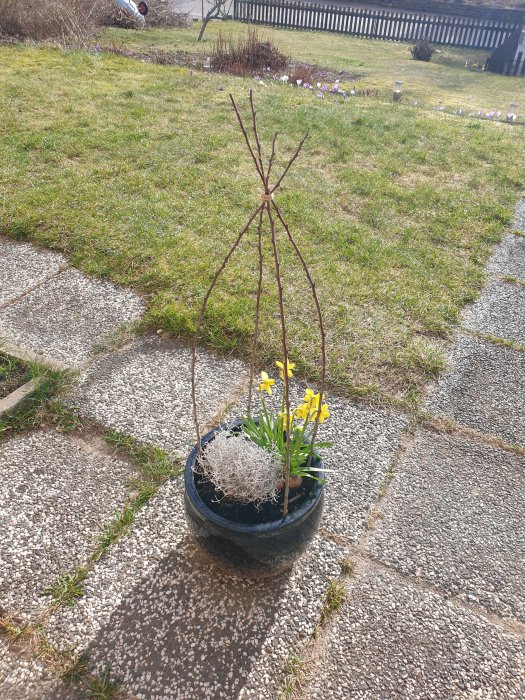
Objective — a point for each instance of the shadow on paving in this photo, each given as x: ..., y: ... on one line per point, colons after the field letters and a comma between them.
x: 188, y: 630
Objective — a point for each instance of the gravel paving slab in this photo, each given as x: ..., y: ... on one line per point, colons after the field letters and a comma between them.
x: 500, y: 311
x: 55, y: 494
x: 23, y: 678
x: 484, y: 390
x: 509, y: 257
x: 68, y: 316
x: 144, y: 390
x: 455, y: 515
x: 172, y: 626
x: 22, y: 266
x: 391, y: 641
x: 519, y: 216
x: 365, y: 442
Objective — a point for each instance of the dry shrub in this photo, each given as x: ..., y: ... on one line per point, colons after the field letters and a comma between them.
x: 162, y: 14
x: 67, y: 20
x: 246, y: 55
x: 304, y: 73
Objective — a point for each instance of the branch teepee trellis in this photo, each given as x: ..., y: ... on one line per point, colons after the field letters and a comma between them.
x: 271, y: 210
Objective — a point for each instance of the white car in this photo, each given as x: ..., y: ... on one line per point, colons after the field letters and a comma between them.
x: 137, y: 10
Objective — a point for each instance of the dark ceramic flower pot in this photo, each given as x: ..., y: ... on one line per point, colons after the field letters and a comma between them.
x: 259, y: 550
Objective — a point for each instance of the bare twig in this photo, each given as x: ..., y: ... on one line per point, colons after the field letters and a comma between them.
x: 285, y: 361
x: 199, y: 321
x: 257, y: 310
x: 319, y: 318
x: 267, y: 206
x: 292, y: 159
x: 245, y: 134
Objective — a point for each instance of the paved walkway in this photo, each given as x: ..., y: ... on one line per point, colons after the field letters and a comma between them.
x: 424, y: 527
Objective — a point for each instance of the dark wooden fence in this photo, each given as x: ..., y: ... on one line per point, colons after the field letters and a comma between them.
x: 466, y: 32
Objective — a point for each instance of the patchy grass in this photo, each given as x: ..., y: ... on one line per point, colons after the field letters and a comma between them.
x: 43, y: 407
x: 139, y: 173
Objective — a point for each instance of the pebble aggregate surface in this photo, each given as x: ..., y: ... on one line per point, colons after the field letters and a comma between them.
x: 455, y: 516
x: 23, y: 678
x: 23, y: 267
x: 144, y: 390
x: 484, y: 389
x: 392, y: 641
x: 500, y: 312
x: 65, y: 318
x: 509, y: 258
x: 172, y: 626
x: 55, y: 495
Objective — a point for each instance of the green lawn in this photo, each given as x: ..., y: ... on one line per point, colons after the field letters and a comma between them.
x: 378, y: 63
x: 138, y: 172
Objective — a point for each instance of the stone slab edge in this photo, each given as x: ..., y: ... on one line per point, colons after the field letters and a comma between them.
x: 28, y: 356
x: 18, y: 396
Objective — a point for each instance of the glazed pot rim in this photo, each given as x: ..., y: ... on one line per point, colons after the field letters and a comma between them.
x: 301, y: 512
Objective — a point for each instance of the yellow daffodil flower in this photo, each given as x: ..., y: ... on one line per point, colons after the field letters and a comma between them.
x: 290, y: 367
x: 323, y: 414
x: 266, y: 383
x: 311, y: 399
x: 302, y: 412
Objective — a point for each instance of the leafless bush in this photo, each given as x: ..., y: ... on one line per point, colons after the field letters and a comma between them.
x: 162, y: 14
x: 240, y: 469
x: 246, y: 55
x: 67, y: 20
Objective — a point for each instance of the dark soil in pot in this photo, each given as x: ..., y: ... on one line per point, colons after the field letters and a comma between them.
x: 248, y: 513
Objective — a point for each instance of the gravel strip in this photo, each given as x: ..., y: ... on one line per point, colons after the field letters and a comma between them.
x: 500, y: 311
x: 509, y: 257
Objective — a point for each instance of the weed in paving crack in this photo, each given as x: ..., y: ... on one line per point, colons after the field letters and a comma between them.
x: 293, y: 670
x: 334, y: 596
x: 67, y: 587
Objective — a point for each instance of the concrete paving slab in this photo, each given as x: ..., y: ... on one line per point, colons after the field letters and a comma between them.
x: 68, y: 316
x: 144, y: 390
x: 500, y: 311
x: 365, y: 443
x: 55, y: 494
x: 484, y: 390
x: 455, y: 515
x: 23, y: 266
x: 519, y: 216
x: 509, y: 257
x: 23, y: 678
x: 172, y: 626
x: 391, y: 641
